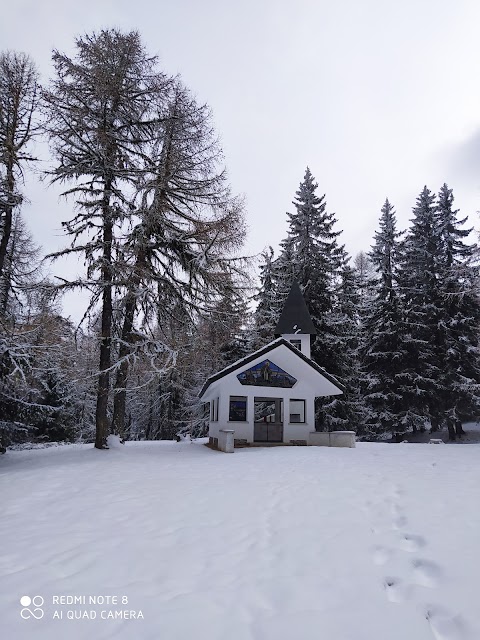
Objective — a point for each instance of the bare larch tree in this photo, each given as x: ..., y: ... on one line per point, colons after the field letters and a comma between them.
x: 188, y: 229
x: 98, y: 119
x: 18, y: 103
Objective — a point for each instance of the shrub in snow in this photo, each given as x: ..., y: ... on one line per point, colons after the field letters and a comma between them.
x: 114, y: 442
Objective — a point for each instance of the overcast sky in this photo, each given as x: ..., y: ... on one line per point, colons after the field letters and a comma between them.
x: 377, y: 97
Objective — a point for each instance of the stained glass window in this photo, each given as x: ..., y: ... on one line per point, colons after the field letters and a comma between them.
x: 266, y: 374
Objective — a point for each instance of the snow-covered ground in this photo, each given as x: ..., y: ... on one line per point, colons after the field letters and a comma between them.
x: 381, y: 542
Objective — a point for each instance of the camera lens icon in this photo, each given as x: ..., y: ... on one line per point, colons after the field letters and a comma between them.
x: 37, y: 612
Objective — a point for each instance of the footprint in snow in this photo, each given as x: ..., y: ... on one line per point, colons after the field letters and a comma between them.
x: 411, y: 543
x: 426, y: 573
x: 368, y: 506
x: 444, y: 626
x: 396, y: 491
x: 378, y: 529
x: 399, y: 522
x: 395, y: 510
x: 395, y: 590
x: 381, y: 555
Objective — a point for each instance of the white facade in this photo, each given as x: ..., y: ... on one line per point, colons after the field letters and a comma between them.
x: 292, y: 415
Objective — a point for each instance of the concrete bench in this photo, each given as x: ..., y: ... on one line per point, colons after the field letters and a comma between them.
x: 342, y: 439
x: 332, y: 439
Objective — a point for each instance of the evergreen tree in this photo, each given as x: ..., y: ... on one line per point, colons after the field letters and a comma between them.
x: 268, y: 307
x: 422, y: 317
x: 41, y: 379
x: 382, y: 350
x: 312, y: 255
x: 344, y: 412
x: 458, y: 349
x: 283, y: 274
x: 317, y: 259
x: 320, y: 265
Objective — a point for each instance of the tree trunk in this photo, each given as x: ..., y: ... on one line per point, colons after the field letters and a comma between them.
x: 7, y: 216
x: 6, y: 282
x: 120, y: 396
x: 101, y: 414
x: 458, y: 428
x: 148, y: 429
x: 451, y: 429
x: 434, y: 423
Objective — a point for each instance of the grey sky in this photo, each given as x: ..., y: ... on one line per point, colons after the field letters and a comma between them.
x: 378, y: 97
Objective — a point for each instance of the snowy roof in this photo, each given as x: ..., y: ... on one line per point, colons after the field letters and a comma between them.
x: 264, y: 350
x: 295, y: 317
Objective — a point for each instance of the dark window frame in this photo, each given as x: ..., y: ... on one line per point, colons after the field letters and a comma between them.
x: 214, y: 409
x: 290, y: 421
x: 237, y: 399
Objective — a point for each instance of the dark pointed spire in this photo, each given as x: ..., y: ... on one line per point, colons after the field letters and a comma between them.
x: 295, y: 317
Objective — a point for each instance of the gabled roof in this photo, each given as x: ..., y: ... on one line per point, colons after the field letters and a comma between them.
x: 295, y: 317
x: 264, y: 350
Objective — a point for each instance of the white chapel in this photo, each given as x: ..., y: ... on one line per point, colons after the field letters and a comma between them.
x: 269, y: 396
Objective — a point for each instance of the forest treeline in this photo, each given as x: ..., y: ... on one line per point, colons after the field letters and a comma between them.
x: 398, y: 327
x: 169, y: 298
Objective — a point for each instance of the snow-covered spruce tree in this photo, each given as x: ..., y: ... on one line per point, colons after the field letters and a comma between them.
x: 346, y: 411
x: 282, y: 274
x: 98, y: 121
x: 188, y: 226
x: 40, y: 395
x: 276, y: 277
x: 55, y: 403
x: 312, y: 255
x: 458, y: 347
x: 317, y: 259
x: 18, y: 104
x: 418, y: 275
x: 382, y: 351
x: 268, y: 300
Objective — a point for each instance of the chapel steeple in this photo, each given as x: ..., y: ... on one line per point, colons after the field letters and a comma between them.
x: 295, y: 323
